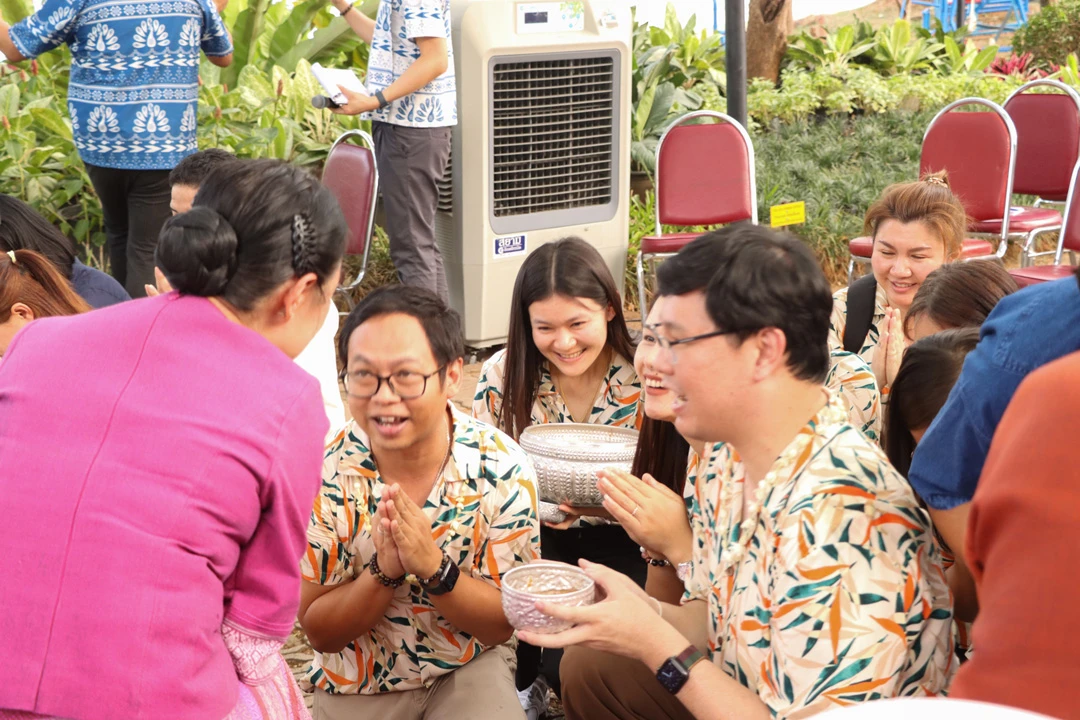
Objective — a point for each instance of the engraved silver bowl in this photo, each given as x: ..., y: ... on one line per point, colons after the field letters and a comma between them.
x: 552, y: 582
x: 567, y: 457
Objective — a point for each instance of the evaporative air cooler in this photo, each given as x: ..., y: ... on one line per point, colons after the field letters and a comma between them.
x: 542, y: 147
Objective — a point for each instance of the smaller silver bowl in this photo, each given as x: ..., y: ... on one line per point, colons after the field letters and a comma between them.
x: 552, y: 582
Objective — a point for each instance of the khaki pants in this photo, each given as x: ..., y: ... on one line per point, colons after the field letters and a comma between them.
x: 482, y: 688
x: 598, y: 685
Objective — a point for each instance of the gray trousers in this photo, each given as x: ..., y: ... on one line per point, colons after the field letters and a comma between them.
x: 412, y: 161
x: 482, y: 688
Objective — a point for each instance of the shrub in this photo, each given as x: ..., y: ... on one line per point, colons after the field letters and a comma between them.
x: 1051, y: 34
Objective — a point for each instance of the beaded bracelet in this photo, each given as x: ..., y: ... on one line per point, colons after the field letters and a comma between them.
x: 651, y: 560
x: 381, y: 576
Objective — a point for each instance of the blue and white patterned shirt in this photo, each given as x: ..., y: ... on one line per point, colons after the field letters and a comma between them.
x: 393, y: 50
x: 134, y: 89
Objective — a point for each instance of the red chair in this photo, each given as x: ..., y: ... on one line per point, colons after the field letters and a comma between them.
x: 1068, y: 239
x: 352, y: 175
x: 704, y: 176
x: 1048, y: 146
x: 978, y: 150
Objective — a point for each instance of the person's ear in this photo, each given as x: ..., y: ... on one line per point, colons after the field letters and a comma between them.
x: 609, y: 315
x: 771, y: 345
x: 455, y: 376
x: 23, y: 311
x: 297, y: 294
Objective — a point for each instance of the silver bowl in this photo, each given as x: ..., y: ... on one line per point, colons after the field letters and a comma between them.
x: 552, y: 582
x: 550, y: 513
x: 567, y: 457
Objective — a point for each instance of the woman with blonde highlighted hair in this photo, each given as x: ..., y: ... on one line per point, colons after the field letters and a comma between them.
x: 916, y: 227
x: 31, y: 287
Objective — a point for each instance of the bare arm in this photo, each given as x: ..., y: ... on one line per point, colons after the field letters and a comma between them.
x: 476, y: 608
x: 664, y: 585
x: 335, y: 615
x: 7, y: 46
x: 952, y: 526
x: 433, y: 61
x: 360, y: 23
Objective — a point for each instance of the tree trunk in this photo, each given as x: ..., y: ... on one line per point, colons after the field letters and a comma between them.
x: 767, y: 33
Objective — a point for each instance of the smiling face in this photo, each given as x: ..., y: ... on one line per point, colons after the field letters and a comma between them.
x: 570, y: 333
x: 659, y: 399
x: 395, y: 344
x: 708, y: 377
x: 904, y: 254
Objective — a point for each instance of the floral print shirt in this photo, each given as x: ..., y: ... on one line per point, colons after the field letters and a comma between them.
x: 838, y: 321
x: 617, y: 404
x: 134, y: 90
x: 851, y: 378
x: 834, y: 593
x: 393, y: 50
x: 483, y: 512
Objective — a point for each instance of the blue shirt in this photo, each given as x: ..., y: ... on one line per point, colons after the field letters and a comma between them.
x: 134, y: 89
x: 95, y: 287
x: 394, y: 50
x: 1024, y: 332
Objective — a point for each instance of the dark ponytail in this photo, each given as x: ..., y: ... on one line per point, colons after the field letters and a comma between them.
x: 197, y: 252
x: 254, y: 225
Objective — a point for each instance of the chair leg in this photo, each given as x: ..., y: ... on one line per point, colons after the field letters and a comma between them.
x: 851, y: 270
x: 641, y: 286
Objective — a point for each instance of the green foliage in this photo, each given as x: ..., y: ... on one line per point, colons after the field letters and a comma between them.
x: 836, y: 51
x: 676, y: 70
x: 893, y: 50
x: 268, y: 34
x: 1051, y: 34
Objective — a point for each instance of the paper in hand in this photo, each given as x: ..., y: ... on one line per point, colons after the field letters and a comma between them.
x: 331, y: 78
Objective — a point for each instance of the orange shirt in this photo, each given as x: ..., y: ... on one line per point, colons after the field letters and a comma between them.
x: 1023, y: 548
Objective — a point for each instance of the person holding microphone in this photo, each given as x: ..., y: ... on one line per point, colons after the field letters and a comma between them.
x: 412, y: 105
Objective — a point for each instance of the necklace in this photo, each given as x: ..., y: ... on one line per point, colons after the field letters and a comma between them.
x: 446, y: 457
x: 738, y: 536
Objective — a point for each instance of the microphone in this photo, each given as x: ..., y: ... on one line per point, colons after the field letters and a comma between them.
x: 321, y: 102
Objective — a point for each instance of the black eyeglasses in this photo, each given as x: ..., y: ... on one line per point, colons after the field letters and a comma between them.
x: 406, y: 384
x: 667, y: 344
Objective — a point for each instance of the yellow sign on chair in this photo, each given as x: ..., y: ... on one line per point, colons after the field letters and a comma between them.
x: 787, y: 214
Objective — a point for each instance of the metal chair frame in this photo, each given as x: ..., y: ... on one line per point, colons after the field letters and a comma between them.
x: 641, y: 258
x: 1028, y: 242
x: 344, y: 289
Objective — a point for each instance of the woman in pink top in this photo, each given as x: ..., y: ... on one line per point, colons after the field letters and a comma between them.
x: 159, y: 461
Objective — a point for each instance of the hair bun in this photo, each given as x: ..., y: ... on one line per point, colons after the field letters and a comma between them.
x: 938, y: 178
x: 197, y: 252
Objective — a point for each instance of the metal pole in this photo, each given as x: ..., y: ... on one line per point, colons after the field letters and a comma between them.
x: 735, y: 43
x: 961, y: 21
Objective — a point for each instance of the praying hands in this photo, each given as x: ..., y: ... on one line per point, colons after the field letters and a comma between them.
x: 410, y: 531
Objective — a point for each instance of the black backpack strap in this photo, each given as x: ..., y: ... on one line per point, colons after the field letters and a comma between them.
x: 860, y: 312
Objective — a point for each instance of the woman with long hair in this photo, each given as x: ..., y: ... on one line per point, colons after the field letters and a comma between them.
x: 31, y: 288
x: 568, y: 358
x: 163, y: 574
x: 23, y: 228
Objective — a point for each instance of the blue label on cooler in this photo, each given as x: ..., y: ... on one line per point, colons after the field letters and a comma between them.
x: 512, y: 245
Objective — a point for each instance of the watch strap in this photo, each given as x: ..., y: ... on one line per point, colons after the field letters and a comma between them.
x: 689, y: 657
x: 675, y: 671
x: 383, y: 102
x: 444, y: 580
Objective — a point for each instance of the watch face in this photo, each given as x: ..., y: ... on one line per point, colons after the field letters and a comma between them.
x: 672, y: 676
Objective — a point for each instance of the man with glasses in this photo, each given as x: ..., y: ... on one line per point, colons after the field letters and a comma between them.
x: 814, y: 581
x: 422, y: 510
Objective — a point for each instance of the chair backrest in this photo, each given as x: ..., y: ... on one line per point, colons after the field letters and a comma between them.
x: 1047, y: 138
x: 352, y: 176
x: 1069, y: 239
x: 978, y: 150
x: 704, y: 173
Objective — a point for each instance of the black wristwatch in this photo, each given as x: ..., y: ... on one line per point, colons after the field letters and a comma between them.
x: 675, y: 671
x: 444, y: 579
x: 383, y: 102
